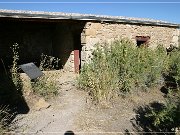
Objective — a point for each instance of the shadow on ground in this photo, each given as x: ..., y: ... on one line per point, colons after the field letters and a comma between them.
x: 169, y: 83
x: 11, y: 97
x: 144, y: 125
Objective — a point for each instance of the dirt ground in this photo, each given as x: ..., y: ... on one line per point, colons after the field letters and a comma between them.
x: 73, y: 111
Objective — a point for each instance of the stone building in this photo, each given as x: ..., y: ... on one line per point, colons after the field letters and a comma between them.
x: 71, y: 37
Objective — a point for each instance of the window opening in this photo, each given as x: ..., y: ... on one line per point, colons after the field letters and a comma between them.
x: 142, y: 41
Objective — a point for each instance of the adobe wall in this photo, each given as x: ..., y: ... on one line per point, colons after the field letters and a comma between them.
x: 95, y: 32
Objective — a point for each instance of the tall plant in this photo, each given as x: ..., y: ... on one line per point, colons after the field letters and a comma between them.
x: 14, y: 68
x: 121, y: 67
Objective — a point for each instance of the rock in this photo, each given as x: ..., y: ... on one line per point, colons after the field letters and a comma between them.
x: 41, y: 104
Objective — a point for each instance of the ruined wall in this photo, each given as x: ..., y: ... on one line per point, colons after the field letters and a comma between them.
x: 95, y: 32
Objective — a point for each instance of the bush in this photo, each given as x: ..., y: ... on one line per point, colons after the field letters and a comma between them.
x: 174, y: 66
x: 120, y: 68
x: 168, y: 117
x: 46, y: 86
x: 98, y: 78
x: 163, y: 118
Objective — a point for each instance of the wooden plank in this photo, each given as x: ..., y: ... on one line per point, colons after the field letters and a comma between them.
x: 76, y: 61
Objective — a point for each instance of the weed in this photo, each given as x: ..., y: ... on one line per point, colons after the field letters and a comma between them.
x: 160, y: 118
x: 5, y: 117
x: 46, y: 85
x: 14, y: 69
x: 167, y: 118
x: 174, y: 66
x: 48, y: 62
x: 120, y: 68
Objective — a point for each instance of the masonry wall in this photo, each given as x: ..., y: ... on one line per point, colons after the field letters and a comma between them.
x: 95, y: 32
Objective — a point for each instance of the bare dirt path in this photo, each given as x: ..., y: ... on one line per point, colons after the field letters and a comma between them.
x: 61, y: 115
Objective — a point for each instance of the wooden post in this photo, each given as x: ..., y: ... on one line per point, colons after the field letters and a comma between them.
x: 76, y: 61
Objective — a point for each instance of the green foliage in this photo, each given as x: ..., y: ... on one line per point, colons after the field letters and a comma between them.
x: 97, y: 77
x: 120, y: 68
x: 168, y: 117
x: 164, y: 116
x: 174, y: 66
x: 46, y: 86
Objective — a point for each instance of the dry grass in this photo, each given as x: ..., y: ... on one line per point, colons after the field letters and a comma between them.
x: 5, y: 118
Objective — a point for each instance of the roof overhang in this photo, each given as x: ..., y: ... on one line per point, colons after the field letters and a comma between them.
x: 21, y: 14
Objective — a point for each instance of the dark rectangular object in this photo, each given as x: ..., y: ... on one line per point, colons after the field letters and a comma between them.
x: 31, y: 70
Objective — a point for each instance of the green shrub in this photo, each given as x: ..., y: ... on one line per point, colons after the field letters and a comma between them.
x: 97, y: 77
x: 168, y: 117
x: 174, y: 66
x: 46, y: 86
x: 121, y: 67
x: 161, y: 118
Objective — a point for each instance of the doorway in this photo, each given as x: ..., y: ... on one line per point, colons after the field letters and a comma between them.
x: 77, y: 52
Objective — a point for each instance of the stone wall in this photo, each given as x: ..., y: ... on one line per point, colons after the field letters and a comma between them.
x: 96, y: 32
x: 60, y: 38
